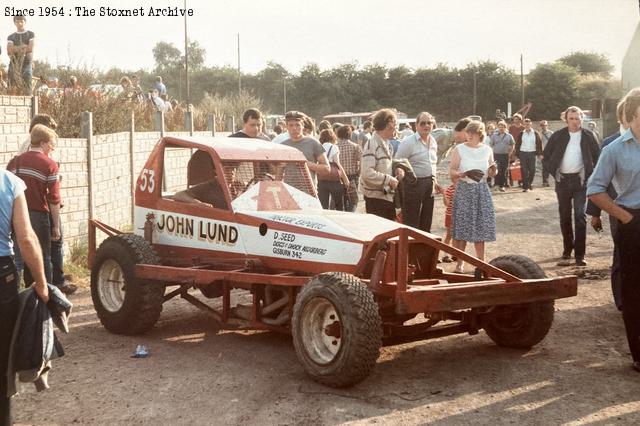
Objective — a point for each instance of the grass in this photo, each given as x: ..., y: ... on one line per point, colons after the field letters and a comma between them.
x: 76, y: 261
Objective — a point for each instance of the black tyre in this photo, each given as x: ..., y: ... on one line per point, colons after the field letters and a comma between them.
x: 125, y: 304
x: 337, y: 331
x: 519, y: 326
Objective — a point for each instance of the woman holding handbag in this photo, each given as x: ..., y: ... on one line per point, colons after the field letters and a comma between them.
x: 332, y: 185
x: 473, y: 214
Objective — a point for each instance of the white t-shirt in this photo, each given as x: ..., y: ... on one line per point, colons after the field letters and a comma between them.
x: 331, y: 150
x: 477, y: 158
x: 572, y: 160
x: 528, y: 141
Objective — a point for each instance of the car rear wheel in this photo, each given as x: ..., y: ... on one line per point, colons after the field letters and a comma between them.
x: 337, y: 331
x: 524, y: 325
x: 125, y: 304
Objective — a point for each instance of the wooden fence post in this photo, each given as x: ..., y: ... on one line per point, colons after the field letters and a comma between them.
x: 34, y: 106
x: 188, y: 120
x: 159, y: 123
x: 86, y: 132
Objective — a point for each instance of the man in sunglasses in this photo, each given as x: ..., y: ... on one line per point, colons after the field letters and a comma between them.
x: 421, y: 150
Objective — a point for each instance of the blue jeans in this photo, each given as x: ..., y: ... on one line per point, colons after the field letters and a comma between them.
x: 570, y: 189
x: 42, y: 228
x: 8, y: 316
x: 528, y: 165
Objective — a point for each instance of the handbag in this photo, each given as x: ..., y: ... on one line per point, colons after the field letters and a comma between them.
x: 334, y: 172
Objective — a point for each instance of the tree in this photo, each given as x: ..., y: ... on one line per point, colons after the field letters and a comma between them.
x: 310, y: 91
x: 387, y: 86
x: 588, y: 63
x: 597, y: 88
x: 551, y: 87
x: 268, y: 85
x: 167, y: 56
x: 440, y: 90
x: 347, y: 90
x: 496, y: 86
x: 221, y: 81
x: 170, y: 58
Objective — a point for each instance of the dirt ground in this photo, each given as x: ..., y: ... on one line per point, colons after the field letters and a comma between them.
x: 580, y: 374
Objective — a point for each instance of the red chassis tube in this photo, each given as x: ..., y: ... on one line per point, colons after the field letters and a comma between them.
x: 443, y: 293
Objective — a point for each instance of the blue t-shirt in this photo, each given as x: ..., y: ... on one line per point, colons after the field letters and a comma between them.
x: 11, y: 187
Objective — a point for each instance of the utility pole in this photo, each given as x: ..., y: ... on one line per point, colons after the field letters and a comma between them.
x: 284, y: 85
x: 475, y: 91
x: 239, y: 73
x: 186, y: 56
x: 521, y: 80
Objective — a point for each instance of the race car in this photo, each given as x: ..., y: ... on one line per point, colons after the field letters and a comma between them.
x: 239, y: 220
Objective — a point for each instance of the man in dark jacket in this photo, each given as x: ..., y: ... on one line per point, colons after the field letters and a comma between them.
x: 252, y: 126
x: 570, y: 157
x: 528, y: 146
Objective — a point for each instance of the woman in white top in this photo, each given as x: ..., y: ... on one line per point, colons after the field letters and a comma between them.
x: 332, y: 186
x: 473, y: 215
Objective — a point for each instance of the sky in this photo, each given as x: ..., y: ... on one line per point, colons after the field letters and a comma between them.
x: 332, y: 32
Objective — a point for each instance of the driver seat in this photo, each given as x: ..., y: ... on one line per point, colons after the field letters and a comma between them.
x: 200, y: 168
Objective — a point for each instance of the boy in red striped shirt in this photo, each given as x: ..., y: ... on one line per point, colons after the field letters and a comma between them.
x: 40, y: 174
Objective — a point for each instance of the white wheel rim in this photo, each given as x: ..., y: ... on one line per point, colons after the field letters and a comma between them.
x: 111, y: 286
x: 321, y: 330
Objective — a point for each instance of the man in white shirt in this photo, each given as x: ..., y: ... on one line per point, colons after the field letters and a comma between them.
x: 570, y: 157
x: 528, y: 145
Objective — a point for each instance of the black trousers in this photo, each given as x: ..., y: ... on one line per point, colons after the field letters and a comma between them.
x: 417, y: 203
x: 628, y: 238
x: 528, y: 165
x: 379, y: 207
x: 570, y: 190
x: 503, y: 169
x: 8, y: 316
x: 615, y: 264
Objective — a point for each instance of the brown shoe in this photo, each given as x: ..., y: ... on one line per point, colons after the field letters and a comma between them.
x: 68, y: 288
